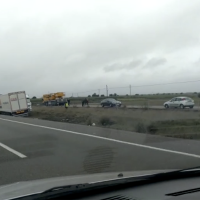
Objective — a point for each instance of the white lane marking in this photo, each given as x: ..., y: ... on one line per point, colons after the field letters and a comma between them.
x: 12, y: 150
x: 108, y: 139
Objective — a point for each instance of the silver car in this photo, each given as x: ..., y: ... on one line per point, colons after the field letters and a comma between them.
x: 179, y: 102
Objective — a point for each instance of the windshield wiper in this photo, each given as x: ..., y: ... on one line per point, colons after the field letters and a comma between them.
x: 118, y: 182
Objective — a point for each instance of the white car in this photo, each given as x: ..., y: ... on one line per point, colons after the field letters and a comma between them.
x: 179, y: 102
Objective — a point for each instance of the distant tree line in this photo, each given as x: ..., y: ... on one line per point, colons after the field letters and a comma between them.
x: 115, y: 95
x: 96, y: 95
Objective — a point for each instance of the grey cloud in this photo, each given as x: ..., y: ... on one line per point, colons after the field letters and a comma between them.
x: 151, y: 63
x: 197, y: 63
x: 49, y: 47
x: 155, y: 62
x: 120, y: 66
x: 113, y: 67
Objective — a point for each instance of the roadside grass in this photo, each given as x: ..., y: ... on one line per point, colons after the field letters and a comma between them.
x: 186, y: 128
x: 169, y: 123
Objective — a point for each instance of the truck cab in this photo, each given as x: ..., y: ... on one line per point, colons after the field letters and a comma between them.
x: 29, y: 103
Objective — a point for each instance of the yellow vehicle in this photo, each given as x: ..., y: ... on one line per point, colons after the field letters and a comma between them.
x: 46, y: 97
x: 59, y: 95
x: 53, y: 96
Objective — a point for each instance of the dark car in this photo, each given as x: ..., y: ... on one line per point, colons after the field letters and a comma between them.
x: 110, y: 102
x: 55, y: 103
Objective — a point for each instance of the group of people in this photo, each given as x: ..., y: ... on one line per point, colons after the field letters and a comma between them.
x: 84, y: 102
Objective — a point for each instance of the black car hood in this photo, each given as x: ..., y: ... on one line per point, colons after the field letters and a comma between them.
x: 20, y: 189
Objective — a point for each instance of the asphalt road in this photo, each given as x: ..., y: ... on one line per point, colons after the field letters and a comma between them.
x: 34, y: 149
x: 94, y: 105
x: 160, y: 107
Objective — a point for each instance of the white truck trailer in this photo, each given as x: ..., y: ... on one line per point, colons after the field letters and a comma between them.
x: 14, y: 104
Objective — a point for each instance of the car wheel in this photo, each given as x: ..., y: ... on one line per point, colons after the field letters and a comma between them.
x: 166, y: 106
x: 191, y: 107
x: 182, y: 106
x: 110, y: 105
x: 102, y: 105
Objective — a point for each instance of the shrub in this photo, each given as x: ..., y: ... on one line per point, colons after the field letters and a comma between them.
x: 89, y: 122
x: 105, y: 121
x: 140, y: 127
x: 152, y: 129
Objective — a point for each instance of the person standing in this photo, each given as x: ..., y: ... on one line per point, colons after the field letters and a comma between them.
x: 66, y: 105
x: 68, y: 101
x: 83, y: 102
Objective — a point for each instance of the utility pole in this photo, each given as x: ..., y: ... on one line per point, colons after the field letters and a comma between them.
x: 130, y: 90
x: 107, y: 90
x: 99, y: 92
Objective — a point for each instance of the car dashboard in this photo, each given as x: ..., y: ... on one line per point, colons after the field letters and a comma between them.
x: 182, y: 189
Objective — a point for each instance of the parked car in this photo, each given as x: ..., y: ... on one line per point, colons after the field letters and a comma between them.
x: 179, y: 102
x: 110, y: 102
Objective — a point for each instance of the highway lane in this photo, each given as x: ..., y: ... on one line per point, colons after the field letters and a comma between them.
x: 157, y: 107
x: 160, y: 107
x: 54, y: 149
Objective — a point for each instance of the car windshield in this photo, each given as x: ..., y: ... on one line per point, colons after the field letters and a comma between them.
x: 98, y: 87
x: 112, y: 100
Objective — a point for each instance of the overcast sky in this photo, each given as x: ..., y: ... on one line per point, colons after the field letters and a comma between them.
x: 82, y: 45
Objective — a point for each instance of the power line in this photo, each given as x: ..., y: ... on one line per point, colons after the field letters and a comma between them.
x: 130, y: 86
x: 165, y: 83
x: 155, y: 84
x: 107, y: 90
x: 119, y: 87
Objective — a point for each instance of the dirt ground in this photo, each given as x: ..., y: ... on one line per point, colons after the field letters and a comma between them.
x: 171, y: 123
